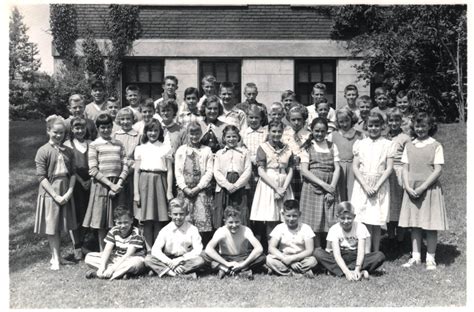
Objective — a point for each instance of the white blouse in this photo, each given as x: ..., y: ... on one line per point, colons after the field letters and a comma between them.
x: 152, y: 156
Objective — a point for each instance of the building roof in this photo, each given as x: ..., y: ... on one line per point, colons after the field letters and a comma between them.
x: 217, y: 22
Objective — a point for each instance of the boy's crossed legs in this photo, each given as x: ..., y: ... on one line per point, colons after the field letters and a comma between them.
x: 301, y: 267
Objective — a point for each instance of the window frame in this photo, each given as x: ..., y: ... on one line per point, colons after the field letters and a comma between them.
x: 214, y: 60
x: 308, y: 62
x: 136, y: 61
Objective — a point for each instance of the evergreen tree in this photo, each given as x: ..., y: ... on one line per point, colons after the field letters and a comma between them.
x: 23, y: 53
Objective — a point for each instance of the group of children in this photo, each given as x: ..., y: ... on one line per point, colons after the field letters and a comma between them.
x: 175, y: 189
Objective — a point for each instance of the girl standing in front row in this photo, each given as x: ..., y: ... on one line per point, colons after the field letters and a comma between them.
x: 423, y: 205
x: 275, y: 168
x: 320, y: 170
x: 232, y: 170
x: 152, y: 181
x: 108, y: 168
x: 372, y: 166
x: 55, y: 170
x: 193, y: 171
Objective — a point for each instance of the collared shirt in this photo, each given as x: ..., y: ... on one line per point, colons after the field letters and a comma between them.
x: 130, y: 140
x: 232, y: 160
x: 372, y: 154
x: 183, y: 241
x: 252, y: 140
x: 93, y: 110
x: 152, y: 156
x: 234, y: 117
x: 175, y: 136
x: 186, y: 117
x: 313, y: 114
x: 206, y: 163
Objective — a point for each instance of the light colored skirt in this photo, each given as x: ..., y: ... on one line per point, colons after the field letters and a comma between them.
x: 265, y: 207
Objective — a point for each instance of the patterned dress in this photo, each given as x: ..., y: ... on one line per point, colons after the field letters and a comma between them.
x: 265, y: 207
x: 316, y: 210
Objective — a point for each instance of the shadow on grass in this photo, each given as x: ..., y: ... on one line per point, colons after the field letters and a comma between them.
x: 446, y: 254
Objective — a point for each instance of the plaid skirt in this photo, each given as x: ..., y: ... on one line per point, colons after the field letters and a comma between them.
x: 316, y: 211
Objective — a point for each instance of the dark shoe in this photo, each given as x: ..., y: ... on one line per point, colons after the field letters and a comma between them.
x: 91, y: 274
x: 309, y: 274
x: 246, y: 274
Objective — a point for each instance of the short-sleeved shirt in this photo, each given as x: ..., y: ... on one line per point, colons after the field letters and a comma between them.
x: 277, y: 156
x: 121, y: 244
x: 439, y: 154
x: 152, y: 156
x: 292, y: 241
x: 253, y: 138
x: 347, y: 240
x: 319, y: 148
x: 183, y: 241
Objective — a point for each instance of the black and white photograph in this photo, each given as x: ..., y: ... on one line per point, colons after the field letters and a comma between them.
x: 236, y: 155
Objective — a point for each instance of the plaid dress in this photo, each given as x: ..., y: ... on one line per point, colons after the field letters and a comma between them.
x: 315, y: 209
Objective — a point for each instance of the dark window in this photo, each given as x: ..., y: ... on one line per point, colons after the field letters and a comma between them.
x: 223, y: 70
x: 310, y: 72
x: 146, y: 74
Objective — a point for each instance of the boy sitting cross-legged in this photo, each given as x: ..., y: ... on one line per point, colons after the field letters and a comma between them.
x: 239, y: 251
x: 290, y: 251
x: 348, y: 247
x: 177, y: 249
x: 123, y: 252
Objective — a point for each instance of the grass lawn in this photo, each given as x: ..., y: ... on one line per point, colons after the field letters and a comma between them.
x: 33, y: 285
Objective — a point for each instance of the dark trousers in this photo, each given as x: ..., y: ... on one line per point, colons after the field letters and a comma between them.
x: 254, y: 265
x: 371, y: 260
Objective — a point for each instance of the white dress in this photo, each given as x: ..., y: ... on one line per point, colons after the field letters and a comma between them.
x: 373, y: 162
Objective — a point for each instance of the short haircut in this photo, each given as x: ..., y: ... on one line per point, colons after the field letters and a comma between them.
x: 251, y: 85
x: 365, y: 99
x: 275, y: 104
x: 168, y: 103
x: 229, y: 128
x: 351, y: 87
x: 171, y: 77
x: 191, y: 90
x: 97, y: 84
x: 132, y: 87
x: 424, y: 117
x: 402, y: 94
x: 76, y: 98
x: 380, y: 91
x: 276, y: 124
x: 298, y: 108
x: 345, y: 207
x: 288, y: 93
x: 125, y: 111
x: 394, y: 112
x: 121, y: 211
x: 291, y: 204
x: 79, y: 121
x: 103, y: 119
x: 112, y: 99
x: 149, y: 103
x: 207, y: 101
x: 177, y: 203
x: 322, y: 101
x: 256, y: 109
x: 154, y: 123
x: 375, y: 116
x: 320, y: 86
x: 349, y: 113
x: 226, y: 85
x: 208, y: 79
x: 319, y: 120
x: 193, y: 125
x: 231, y: 211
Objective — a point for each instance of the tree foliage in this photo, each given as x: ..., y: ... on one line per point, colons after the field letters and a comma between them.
x: 24, y: 61
x: 422, y: 48
x: 93, y: 59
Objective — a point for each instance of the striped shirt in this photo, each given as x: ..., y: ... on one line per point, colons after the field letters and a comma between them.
x: 107, y: 158
x: 121, y: 244
x: 252, y: 140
